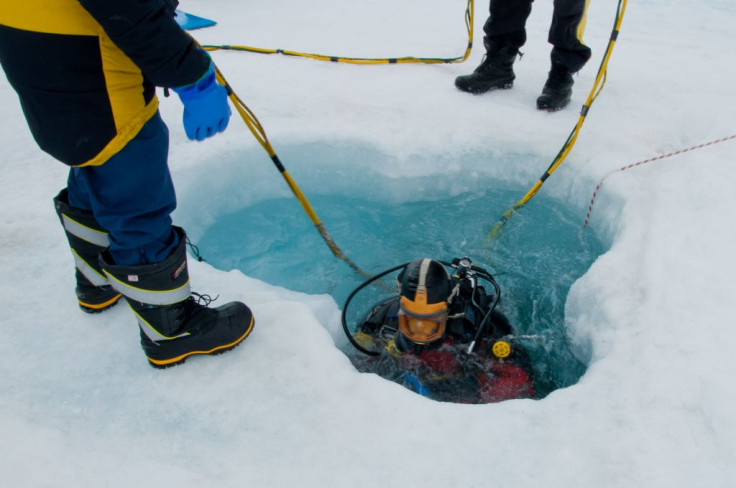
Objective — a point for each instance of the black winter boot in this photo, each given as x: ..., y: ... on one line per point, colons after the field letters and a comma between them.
x: 174, y: 322
x: 87, y: 239
x: 494, y: 72
x: 557, y: 90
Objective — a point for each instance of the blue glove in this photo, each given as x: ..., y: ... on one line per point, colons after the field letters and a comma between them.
x: 206, y: 111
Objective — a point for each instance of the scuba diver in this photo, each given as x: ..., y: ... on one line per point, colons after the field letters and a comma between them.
x: 442, y: 336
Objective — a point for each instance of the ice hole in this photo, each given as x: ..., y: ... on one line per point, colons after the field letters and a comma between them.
x: 382, y: 213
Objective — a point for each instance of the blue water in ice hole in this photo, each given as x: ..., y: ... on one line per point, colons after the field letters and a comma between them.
x: 541, y: 251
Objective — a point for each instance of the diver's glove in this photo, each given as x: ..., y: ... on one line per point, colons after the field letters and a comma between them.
x: 206, y: 111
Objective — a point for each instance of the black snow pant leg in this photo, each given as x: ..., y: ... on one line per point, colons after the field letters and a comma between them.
x: 566, y: 34
x: 506, y: 23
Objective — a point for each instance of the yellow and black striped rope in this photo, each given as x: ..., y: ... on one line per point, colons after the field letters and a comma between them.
x: 350, y: 60
x: 254, y: 125
x: 600, y: 81
x: 259, y: 133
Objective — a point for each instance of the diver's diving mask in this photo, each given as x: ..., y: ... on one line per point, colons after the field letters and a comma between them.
x: 420, y: 322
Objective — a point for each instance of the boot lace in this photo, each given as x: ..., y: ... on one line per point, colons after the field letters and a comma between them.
x: 195, y: 305
x: 493, y: 60
x: 195, y: 251
x: 203, y: 299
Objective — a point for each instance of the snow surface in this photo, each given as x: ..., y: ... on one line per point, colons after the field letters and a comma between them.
x: 653, y: 317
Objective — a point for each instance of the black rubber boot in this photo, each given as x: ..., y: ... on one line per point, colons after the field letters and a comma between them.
x: 495, y: 72
x: 94, y: 299
x: 87, y: 239
x: 557, y: 90
x: 174, y: 322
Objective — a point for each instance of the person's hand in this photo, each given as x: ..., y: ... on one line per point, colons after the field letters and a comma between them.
x: 206, y: 111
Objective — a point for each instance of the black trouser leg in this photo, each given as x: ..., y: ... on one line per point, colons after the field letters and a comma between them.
x: 507, y: 21
x: 566, y: 32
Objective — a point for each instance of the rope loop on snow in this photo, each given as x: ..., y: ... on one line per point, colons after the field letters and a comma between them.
x: 350, y: 60
x: 650, y: 160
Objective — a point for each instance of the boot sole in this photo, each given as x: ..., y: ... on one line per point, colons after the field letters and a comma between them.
x: 479, y: 91
x: 167, y: 363
x: 93, y: 308
x: 552, y: 109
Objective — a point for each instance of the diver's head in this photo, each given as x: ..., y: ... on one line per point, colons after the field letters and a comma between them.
x: 425, y: 286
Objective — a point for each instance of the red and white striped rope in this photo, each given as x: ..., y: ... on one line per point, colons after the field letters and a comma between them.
x: 595, y: 192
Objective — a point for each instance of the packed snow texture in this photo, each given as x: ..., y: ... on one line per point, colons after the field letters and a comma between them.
x: 653, y: 316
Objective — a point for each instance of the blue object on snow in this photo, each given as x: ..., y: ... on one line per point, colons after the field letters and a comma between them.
x: 189, y: 22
